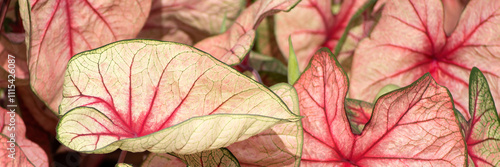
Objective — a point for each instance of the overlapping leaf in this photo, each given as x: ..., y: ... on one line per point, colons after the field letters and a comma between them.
x: 231, y: 46
x: 312, y: 25
x: 12, y: 136
x: 409, y: 41
x: 217, y: 157
x: 57, y: 30
x: 189, y: 21
x: 279, y: 146
x: 163, y: 97
x: 482, y: 133
x: 159, y: 160
x: 413, y: 126
x: 359, y: 113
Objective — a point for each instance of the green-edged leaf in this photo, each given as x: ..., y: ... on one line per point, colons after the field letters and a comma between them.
x: 232, y: 46
x: 359, y: 113
x: 57, y: 30
x: 483, y: 135
x: 293, y: 65
x: 279, y: 146
x: 162, y: 97
x: 413, y: 126
x: 15, y: 148
x: 217, y: 157
x: 160, y: 160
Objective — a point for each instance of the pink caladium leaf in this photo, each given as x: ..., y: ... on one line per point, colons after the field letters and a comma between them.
x: 359, y: 113
x: 189, y: 21
x: 217, y: 157
x: 482, y: 133
x: 409, y: 41
x: 323, y: 28
x: 15, y: 149
x: 232, y: 46
x: 412, y: 126
x: 162, y: 97
x: 57, y: 30
x: 279, y: 146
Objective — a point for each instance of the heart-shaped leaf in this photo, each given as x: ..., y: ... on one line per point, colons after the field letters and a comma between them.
x: 323, y: 28
x: 279, y: 146
x: 57, y: 30
x: 412, y: 126
x: 217, y: 157
x: 162, y: 97
x: 482, y: 135
x: 189, y: 21
x: 15, y: 149
x: 409, y: 41
x: 232, y: 46
x: 359, y: 113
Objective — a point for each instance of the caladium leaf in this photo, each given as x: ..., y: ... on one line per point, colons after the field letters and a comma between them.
x: 232, y: 46
x: 424, y: 47
x: 15, y: 149
x: 123, y: 165
x: 217, y: 157
x: 162, y: 97
x: 189, y: 21
x: 359, y: 113
x: 482, y: 135
x: 57, y: 30
x: 159, y: 160
x: 279, y: 146
x: 412, y: 126
x: 323, y: 28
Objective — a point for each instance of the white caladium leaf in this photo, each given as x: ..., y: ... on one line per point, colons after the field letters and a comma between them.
x: 57, y: 30
x: 15, y: 148
x: 279, y: 146
x: 189, y: 21
x: 409, y: 41
x: 231, y: 46
x: 162, y: 97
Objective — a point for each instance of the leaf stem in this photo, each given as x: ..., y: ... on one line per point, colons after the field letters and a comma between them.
x: 123, y: 154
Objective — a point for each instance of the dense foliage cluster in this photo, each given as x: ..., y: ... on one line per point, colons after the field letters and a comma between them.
x: 250, y: 83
